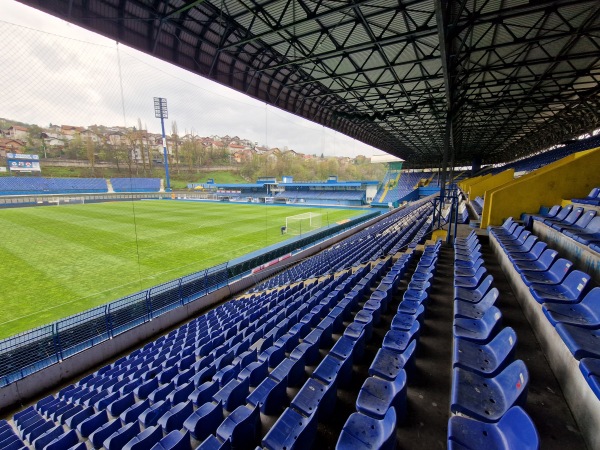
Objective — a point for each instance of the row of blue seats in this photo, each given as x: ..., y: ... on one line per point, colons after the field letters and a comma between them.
x: 41, y: 185
x: 574, y: 222
x: 372, y: 242
x: 135, y: 184
x: 489, y: 387
x: 269, y: 396
x: 569, y: 301
x: 550, y: 279
x: 85, y: 420
x: 330, y: 194
x: 315, y: 402
x: 168, y: 399
x: 593, y: 198
x: 382, y: 402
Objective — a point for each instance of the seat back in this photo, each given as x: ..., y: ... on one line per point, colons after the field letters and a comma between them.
x: 560, y: 268
x: 514, y: 382
x: 585, y: 219
x: 553, y: 211
x: 563, y: 213
x: 548, y: 257
x: 592, y: 300
x: 573, y: 216
x: 593, y: 226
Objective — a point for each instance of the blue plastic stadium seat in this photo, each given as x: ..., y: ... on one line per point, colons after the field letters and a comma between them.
x: 120, y: 404
x: 570, y: 290
x: 145, y: 440
x: 562, y: 214
x: 542, y: 264
x: 32, y: 435
x: 550, y: 214
x: 479, y: 330
x: 256, y: 372
x: 468, y: 310
x: 270, y: 396
x: 132, y: 413
x: 150, y: 416
x: 403, y: 322
x: 212, y: 443
x: 488, y: 398
x: 174, y: 418
x: 555, y: 274
x: 515, y: 430
x: 175, y: 440
x: 569, y: 220
x: 398, y: 341
x: 146, y: 388
x: 98, y: 437
x: 531, y: 255
x: 67, y: 440
x: 582, y: 342
x: 47, y: 437
x: 74, y: 421
x: 586, y: 313
x: 377, y: 395
x: 590, y: 367
x: 485, y: 359
x: 291, y: 431
x: 332, y: 369
x: 476, y: 294
x: 204, y: 421
x: 242, y: 427
x: 364, y: 432
x: 316, y: 397
x: 119, y: 438
x: 92, y: 423
x: 233, y: 394
x: 204, y: 393
x: 388, y: 364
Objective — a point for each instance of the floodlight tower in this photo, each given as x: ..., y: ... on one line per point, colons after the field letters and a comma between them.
x: 161, y: 112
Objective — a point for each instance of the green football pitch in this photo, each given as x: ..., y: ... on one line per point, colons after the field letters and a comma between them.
x: 61, y: 260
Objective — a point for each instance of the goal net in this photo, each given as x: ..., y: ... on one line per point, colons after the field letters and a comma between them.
x: 302, y: 223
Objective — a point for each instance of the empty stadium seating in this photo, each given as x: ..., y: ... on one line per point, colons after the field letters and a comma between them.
x: 135, y: 184
x: 40, y: 185
x: 488, y: 385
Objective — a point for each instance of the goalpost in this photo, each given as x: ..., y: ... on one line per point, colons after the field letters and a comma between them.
x: 302, y: 223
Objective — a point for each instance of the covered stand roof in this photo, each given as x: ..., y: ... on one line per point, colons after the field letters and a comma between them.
x: 504, y: 78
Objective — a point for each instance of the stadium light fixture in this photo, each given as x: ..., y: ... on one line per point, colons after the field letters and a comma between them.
x: 161, y: 112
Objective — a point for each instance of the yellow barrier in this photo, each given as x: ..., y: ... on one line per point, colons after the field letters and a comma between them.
x: 465, y: 184
x: 478, y: 189
x: 571, y: 177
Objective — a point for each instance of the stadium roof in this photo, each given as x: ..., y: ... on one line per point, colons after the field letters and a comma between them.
x: 488, y: 80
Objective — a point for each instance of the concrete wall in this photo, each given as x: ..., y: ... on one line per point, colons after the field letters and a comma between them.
x: 478, y: 189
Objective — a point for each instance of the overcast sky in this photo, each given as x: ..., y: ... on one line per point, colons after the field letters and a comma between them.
x: 55, y: 72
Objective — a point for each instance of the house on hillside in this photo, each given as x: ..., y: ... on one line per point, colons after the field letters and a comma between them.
x: 233, y: 148
x: 70, y: 130
x: 243, y: 155
x: 17, y: 132
x: 8, y: 145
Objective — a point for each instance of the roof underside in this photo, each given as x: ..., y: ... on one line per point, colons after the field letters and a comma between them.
x: 505, y: 77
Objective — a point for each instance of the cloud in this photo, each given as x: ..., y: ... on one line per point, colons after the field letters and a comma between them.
x: 56, y: 72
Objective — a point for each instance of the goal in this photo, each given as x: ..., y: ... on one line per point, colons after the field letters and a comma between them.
x: 302, y: 223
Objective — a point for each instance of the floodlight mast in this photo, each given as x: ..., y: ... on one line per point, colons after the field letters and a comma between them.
x: 161, y: 112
